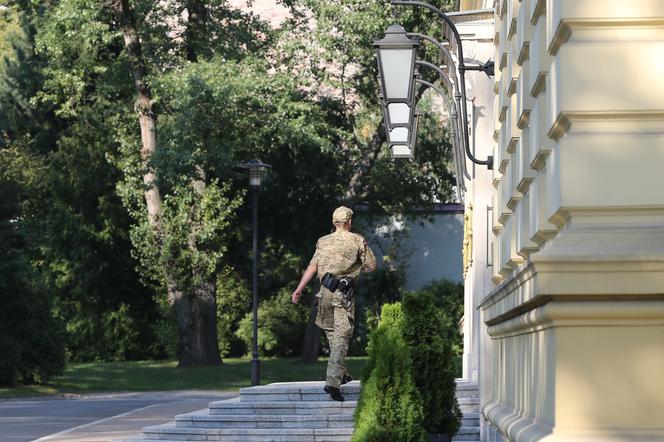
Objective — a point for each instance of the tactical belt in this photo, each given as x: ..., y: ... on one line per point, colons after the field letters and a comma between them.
x: 332, y: 283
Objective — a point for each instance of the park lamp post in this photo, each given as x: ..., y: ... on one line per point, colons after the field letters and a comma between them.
x: 396, y: 66
x: 257, y: 170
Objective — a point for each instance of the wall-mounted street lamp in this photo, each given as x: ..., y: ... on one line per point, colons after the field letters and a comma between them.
x: 257, y: 170
x: 399, y: 113
x: 396, y: 65
x: 395, y: 68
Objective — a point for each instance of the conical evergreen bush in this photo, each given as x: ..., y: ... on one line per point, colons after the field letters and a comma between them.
x: 390, y: 407
x: 426, y: 330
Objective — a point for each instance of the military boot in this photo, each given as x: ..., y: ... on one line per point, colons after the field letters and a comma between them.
x: 334, y: 393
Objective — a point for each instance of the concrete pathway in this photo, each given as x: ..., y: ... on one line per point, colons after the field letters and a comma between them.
x: 96, y: 417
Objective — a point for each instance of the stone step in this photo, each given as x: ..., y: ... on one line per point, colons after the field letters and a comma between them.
x: 273, y: 421
x: 466, y: 409
x: 467, y: 434
x: 291, y: 412
x: 237, y: 407
x: 469, y: 404
x: 470, y: 419
x: 296, y: 391
x: 468, y: 400
x: 466, y: 389
x: 170, y: 432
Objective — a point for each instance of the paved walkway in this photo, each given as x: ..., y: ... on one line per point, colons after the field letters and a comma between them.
x: 96, y: 417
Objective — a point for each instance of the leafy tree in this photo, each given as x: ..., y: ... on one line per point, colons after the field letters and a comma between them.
x: 76, y: 229
x: 233, y: 300
x: 344, y: 31
x: 180, y: 218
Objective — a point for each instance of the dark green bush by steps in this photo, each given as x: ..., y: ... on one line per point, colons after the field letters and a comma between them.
x: 280, y: 325
x: 390, y: 407
x: 427, y: 332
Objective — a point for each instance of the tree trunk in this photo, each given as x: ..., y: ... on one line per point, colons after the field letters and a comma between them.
x: 196, y: 312
x: 203, y: 326
x: 196, y: 29
x: 311, y: 345
x: 146, y: 116
x: 200, y: 331
x: 197, y: 321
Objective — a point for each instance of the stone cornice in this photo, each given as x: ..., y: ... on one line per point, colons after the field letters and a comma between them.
x: 561, y: 312
x: 567, y: 26
x: 564, y: 120
x: 524, y: 298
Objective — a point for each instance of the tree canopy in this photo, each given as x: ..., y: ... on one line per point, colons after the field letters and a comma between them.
x: 80, y: 244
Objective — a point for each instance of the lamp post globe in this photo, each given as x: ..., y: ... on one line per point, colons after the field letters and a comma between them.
x: 257, y: 170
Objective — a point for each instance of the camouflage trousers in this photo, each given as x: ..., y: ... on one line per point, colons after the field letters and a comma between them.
x: 336, y: 316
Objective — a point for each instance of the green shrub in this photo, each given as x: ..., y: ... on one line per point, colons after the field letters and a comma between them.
x: 280, y: 326
x: 167, y: 336
x: 31, y: 338
x: 112, y: 334
x: 376, y: 289
x: 426, y: 329
x: 233, y: 301
x: 390, y: 407
x: 449, y: 297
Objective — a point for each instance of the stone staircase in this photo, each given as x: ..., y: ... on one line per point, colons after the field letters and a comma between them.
x: 288, y: 412
x: 469, y: 402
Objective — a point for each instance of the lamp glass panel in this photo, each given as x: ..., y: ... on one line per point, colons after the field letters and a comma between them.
x: 397, y: 73
x: 401, y: 150
x: 398, y: 113
x: 255, y: 176
x: 399, y: 135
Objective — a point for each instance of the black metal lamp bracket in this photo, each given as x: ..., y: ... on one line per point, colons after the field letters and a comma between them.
x: 488, y: 68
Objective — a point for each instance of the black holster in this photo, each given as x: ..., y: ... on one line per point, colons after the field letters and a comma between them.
x: 332, y: 283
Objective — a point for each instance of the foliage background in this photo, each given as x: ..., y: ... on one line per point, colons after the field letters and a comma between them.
x: 76, y: 251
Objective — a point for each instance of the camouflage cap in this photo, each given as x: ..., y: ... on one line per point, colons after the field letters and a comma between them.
x: 341, y: 215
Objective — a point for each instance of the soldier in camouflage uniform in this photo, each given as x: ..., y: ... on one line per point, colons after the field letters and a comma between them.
x: 344, y: 255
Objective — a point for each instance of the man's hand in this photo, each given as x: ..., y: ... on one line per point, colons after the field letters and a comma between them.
x: 308, y: 274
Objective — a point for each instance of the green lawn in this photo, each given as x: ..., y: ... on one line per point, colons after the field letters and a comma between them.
x: 164, y: 375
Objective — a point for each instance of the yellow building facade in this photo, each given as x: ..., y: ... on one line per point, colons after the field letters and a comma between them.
x: 564, y: 323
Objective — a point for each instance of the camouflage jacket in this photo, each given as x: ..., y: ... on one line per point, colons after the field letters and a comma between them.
x: 341, y: 253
